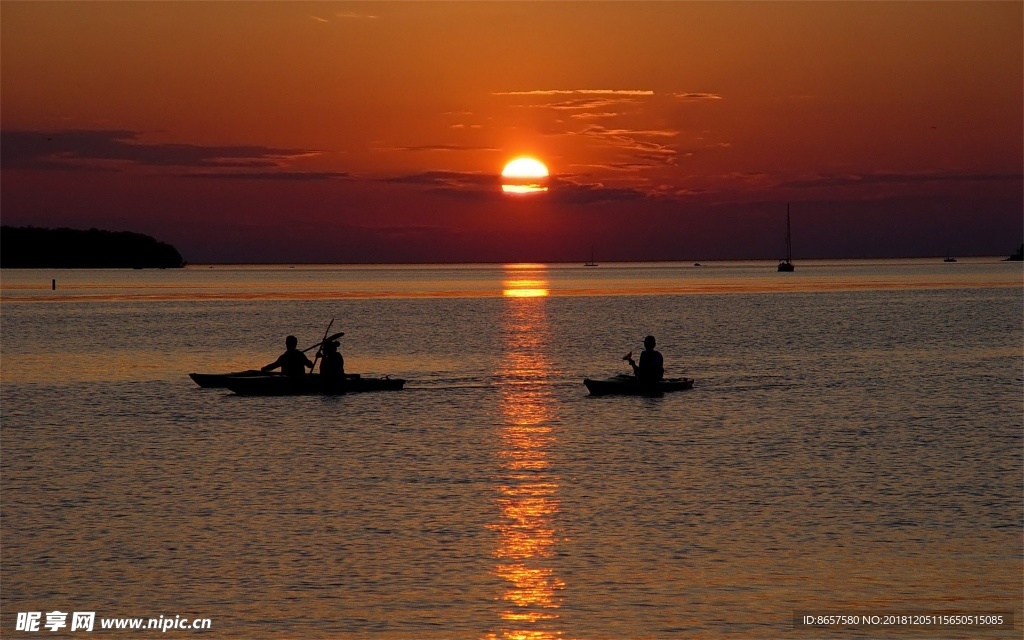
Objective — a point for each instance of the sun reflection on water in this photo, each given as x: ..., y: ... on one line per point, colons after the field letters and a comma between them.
x: 525, y: 281
x: 528, y: 494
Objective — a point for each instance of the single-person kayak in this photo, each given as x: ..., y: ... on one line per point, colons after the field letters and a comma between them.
x: 627, y: 385
x: 311, y: 384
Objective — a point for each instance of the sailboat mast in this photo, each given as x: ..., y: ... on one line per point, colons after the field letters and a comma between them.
x: 789, y: 238
x: 786, y: 266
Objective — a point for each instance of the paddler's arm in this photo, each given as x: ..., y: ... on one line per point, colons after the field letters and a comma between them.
x: 273, y: 365
x: 632, y: 363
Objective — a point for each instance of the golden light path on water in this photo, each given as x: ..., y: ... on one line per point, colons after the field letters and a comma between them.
x: 525, y: 288
x: 528, y: 495
x: 526, y: 280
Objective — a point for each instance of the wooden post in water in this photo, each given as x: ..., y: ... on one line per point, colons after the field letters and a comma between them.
x: 53, y: 285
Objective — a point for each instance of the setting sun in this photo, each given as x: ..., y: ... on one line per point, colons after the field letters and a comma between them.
x: 524, y: 175
x: 525, y: 168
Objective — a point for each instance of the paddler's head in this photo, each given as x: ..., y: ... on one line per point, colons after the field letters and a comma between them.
x: 291, y: 342
x: 649, y: 343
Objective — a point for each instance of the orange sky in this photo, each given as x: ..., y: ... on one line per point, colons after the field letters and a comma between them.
x: 359, y: 132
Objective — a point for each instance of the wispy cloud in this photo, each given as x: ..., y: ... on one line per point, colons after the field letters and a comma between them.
x: 558, y: 92
x: 594, y: 116
x: 448, y: 179
x: 600, y: 131
x: 352, y: 15
x: 343, y: 15
x: 697, y: 96
x: 486, y: 187
x: 630, y: 167
x: 568, y: 192
x: 637, y: 143
x: 581, y: 104
x: 439, y: 147
x: 864, y: 179
x: 300, y: 176
x: 89, y: 149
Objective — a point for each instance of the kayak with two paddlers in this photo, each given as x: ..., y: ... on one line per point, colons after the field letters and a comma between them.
x: 292, y: 378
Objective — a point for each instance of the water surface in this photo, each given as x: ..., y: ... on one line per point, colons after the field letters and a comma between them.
x: 853, y: 442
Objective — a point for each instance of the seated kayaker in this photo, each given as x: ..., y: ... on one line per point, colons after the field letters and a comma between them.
x: 332, y: 368
x: 293, y: 363
x: 652, y: 365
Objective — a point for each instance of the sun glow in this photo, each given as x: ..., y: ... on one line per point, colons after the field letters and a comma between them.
x: 524, y: 175
x: 525, y: 168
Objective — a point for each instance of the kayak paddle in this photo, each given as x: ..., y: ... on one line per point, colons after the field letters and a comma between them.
x: 317, y: 356
x: 333, y: 336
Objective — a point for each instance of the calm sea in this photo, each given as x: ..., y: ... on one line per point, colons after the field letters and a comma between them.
x: 853, y: 444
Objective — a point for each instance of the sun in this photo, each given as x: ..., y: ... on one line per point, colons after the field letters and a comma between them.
x: 524, y: 175
x: 525, y: 168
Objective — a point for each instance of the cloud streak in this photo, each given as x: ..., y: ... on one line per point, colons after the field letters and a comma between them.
x: 487, y: 188
x: 865, y: 179
x: 630, y: 167
x: 298, y: 176
x: 568, y: 192
x: 559, y: 92
x: 345, y: 15
x: 594, y: 116
x: 441, y: 147
x: 352, y: 15
x: 635, y: 142
x: 446, y: 179
x: 697, y: 96
x: 584, y: 103
x: 111, y: 149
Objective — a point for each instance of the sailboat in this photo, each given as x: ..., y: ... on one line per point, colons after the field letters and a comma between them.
x: 591, y: 263
x: 787, y: 264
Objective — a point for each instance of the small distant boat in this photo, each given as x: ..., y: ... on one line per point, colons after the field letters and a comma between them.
x: 786, y: 266
x: 278, y: 385
x: 1017, y: 256
x: 949, y: 259
x: 628, y: 385
x: 591, y: 262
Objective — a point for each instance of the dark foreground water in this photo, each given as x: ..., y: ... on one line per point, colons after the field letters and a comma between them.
x: 853, y: 444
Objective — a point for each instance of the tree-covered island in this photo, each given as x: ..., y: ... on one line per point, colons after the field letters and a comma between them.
x: 39, y: 248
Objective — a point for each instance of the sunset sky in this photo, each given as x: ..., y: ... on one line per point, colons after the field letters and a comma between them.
x: 377, y: 132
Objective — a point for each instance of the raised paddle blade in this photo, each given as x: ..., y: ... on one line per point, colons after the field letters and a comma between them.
x: 627, y: 356
x: 333, y: 336
x: 323, y: 340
